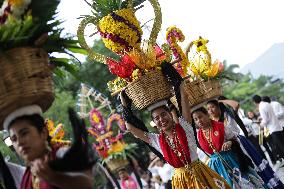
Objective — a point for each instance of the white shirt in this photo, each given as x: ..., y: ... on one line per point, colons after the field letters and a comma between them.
x: 17, y: 172
x: 269, y: 118
x: 279, y: 111
x: 165, y: 172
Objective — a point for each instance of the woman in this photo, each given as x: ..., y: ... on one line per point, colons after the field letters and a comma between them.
x: 217, y: 141
x: 219, y: 112
x: 30, y: 139
x: 177, y: 144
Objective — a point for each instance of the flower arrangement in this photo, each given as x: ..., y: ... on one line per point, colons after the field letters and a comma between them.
x: 33, y: 23
x: 107, y: 145
x: 121, y: 32
x: 201, y: 63
x: 174, y: 35
x: 57, y: 134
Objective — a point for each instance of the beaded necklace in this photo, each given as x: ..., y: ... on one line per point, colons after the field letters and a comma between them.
x: 174, y: 145
x: 208, y: 136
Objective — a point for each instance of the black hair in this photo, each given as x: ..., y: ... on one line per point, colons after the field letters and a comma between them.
x: 243, y: 160
x: 9, y: 182
x: 266, y: 99
x: 122, y: 169
x: 201, y: 109
x: 163, y: 106
x: 80, y: 151
x: 256, y: 99
x: 233, y: 114
x: 34, y: 120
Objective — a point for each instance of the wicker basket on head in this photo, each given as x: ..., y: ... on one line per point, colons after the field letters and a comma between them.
x: 117, y: 163
x: 148, y: 89
x: 25, y: 79
x: 200, y: 91
x: 213, y: 89
x: 195, y: 91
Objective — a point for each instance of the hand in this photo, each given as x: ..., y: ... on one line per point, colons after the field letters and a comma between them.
x: 227, y: 146
x: 125, y: 100
x: 41, y: 169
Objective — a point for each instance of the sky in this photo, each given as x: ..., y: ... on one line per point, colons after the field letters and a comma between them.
x: 239, y: 31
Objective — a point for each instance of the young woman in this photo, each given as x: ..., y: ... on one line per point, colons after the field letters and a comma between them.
x: 31, y: 141
x: 219, y: 112
x: 177, y: 144
x: 218, y: 141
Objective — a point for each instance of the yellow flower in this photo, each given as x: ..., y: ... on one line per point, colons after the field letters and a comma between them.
x: 95, y: 118
x: 118, y: 146
x: 213, y: 70
x: 108, y: 25
x: 201, y: 44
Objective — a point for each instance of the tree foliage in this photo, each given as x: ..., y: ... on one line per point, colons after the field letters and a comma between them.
x: 248, y: 86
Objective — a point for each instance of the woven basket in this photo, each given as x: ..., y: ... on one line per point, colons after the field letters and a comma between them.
x: 201, y: 91
x: 213, y: 89
x: 195, y: 91
x: 117, y: 163
x: 148, y: 89
x: 25, y: 79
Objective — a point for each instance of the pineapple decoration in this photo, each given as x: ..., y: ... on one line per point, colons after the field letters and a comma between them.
x: 119, y: 28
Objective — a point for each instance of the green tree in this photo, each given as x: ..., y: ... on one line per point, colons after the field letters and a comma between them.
x: 248, y: 86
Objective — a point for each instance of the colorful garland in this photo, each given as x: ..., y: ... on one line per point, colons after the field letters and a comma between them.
x: 174, y: 35
x: 118, y: 119
x: 97, y: 120
x: 57, y: 134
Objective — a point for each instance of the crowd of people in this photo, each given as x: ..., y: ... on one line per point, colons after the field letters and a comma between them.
x: 215, y: 145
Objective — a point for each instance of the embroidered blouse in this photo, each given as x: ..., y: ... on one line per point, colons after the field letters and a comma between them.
x: 186, y: 144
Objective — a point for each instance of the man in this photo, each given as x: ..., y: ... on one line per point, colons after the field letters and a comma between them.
x: 277, y: 108
x: 269, y: 120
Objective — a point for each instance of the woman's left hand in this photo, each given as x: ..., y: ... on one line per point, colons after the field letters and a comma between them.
x: 227, y: 146
x: 41, y: 169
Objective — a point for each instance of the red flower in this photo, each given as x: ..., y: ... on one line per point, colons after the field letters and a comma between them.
x: 122, y: 69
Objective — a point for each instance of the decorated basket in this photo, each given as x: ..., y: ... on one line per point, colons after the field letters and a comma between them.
x: 196, y: 91
x: 148, y: 89
x: 213, y: 89
x: 200, y: 91
x: 117, y: 163
x: 25, y: 79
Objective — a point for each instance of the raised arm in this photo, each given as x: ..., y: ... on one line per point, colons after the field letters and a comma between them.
x: 139, y: 133
x: 185, y: 105
x: 232, y: 103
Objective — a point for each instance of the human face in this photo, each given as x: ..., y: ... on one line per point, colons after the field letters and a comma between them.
x: 163, y: 119
x: 250, y: 115
x: 213, y: 110
x: 123, y: 175
x: 201, y: 120
x: 28, y: 142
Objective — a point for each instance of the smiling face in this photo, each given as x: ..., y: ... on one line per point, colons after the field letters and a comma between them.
x: 163, y: 119
x: 27, y: 140
x: 201, y: 119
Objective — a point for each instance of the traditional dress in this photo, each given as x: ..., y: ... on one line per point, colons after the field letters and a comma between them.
x: 261, y: 165
x: 225, y: 162
x: 29, y: 181
x: 181, y: 153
